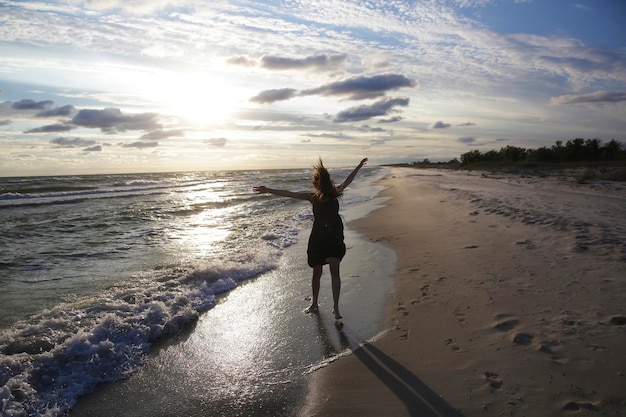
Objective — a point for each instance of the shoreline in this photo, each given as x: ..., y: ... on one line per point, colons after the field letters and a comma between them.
x: 488, y: 315
x: 251, y: 353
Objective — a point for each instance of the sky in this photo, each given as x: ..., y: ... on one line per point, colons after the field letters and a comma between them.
x: 119, y: 86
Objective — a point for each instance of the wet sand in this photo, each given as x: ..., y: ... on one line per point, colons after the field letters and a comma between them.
x: 509, y: 298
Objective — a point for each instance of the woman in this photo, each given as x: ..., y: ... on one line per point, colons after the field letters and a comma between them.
x: 326, y: 245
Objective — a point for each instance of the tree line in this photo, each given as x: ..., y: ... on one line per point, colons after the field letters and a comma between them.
x: 576, y: 150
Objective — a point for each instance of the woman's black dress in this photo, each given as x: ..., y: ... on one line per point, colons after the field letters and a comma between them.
x: 326, y: 240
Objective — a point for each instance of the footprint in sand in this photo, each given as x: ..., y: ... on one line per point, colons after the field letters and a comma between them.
x: 491, y: 378
x: 527, y: 243
x: 452, y: 344
x: 576, y: 406
x: 617, y: 321
x: 523, y: 339
x: 596, y: 348
x: 506, y: 325
x: 423, y: 296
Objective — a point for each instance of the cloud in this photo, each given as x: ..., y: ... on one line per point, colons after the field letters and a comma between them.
x: 377, y: 60
x: 375, y: 142
x: 72, y: 142
x: 595, y: 97
x: 363, y: 87
x: 141, y: 145
x: 97, y: 148
x: 217, y: 142
x: 28, y: 104
x: 364, y: 112
x: 355, y: 88
x: 467, y: 124
x: 390, y: 120
x: 51, y: 128
x: 317, y: 62
x: 112, y: 120
x: 57, y: 111
x: 439, y: 125
x: 270, y: 96
x: 368, y: 128
x: 320, y: 62
x: 134, y: 7
x: 342, y: 136
x: 466, y: 139
x: 242, y: 61
x: 5, y: 122
x: 163, y: 134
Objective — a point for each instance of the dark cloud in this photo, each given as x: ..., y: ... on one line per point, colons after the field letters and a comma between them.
x: 163, y: 134
x: 97, y: 148
x: 363, y: 87
x: 390, y: 120
x: 439, y: 125
x: 112, y: 120
x: 317, y: 62
x: 141, y: 145
x: 72, y: 142
x: 28, y: 104
x: 364, y: 112
x: 57, y: 111
x: 5, y: 122
x: 467, y: 124
x: 368, y: 128
x: 596, y: 97
x: 270, y: 96
x: 217, y: 142
x: 466, y: 139
x: 355, y: 88
x: 59, y: 127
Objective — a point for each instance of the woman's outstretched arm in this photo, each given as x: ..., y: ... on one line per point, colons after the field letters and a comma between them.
x: 282, y: 193
x: 351, y: 177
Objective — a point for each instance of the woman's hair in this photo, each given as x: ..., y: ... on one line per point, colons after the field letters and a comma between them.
x: 323, y: 184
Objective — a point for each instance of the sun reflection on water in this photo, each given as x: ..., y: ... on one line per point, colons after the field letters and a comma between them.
x: 202, y: 234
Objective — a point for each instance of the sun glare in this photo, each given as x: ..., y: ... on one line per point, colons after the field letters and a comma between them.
x: 197, y: 99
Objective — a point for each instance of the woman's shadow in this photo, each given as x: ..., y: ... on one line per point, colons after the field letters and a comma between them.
x: 417, y: 397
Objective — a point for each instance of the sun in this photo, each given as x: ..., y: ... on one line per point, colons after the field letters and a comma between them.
x: 197, y: 99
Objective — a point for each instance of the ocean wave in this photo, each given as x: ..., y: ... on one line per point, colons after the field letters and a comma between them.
x: 47, y: 362
x: 214, y: 225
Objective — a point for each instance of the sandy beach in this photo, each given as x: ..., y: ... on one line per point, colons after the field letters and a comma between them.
x: 508, y: 299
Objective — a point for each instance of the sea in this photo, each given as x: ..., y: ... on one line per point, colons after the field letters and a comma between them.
x: 97, y: 270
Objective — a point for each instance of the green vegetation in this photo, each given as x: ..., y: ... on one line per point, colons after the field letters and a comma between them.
x: 599, y: 161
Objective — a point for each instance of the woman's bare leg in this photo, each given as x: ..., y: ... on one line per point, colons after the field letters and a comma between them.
x: 336, y: 283
x: 315, y: 288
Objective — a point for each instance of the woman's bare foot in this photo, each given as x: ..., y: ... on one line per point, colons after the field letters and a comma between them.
x: 312, y: 309
x: 337, y: 314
